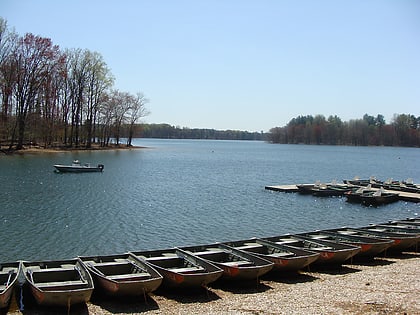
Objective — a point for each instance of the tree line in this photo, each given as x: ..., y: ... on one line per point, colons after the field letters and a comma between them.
x: 166, y: 131
x: 404, y: 130
x: 55, y: 97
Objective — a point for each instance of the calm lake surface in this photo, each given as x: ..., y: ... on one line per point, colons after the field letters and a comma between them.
x: 184, y: 192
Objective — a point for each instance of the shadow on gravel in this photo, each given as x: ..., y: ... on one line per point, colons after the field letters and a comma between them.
x: 373, y: 262
x: 188, y: 295
x: 241, y: 287
x: 125, y: 304
x: 79, y: 309
x: 402, y: 255
x: 288, y: 277
x: 335, y: 270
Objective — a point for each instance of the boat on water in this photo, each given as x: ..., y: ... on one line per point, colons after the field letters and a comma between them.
x: 9, y: 273
x: 390, y: 184
x: 180, y: 268
x: 324, y: 190
x: 370, y: 247
x: 331, y: 253
x: 236, y: 264
x: 77, y: 167
x: 122, y: 274
x: 369, y: 197
x: 59, y: 282
x: 402, y: 241
x: 373, y: 181
x: 284, y: 258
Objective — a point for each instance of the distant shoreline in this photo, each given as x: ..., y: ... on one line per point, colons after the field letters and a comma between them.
x: 40, y: 150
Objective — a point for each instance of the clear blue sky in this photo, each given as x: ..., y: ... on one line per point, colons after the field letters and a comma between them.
x: 247, y: 65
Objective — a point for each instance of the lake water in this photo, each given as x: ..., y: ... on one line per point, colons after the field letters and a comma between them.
x: 184, y: 192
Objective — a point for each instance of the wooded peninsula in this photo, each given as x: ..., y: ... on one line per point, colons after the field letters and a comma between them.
x: 53, y: 98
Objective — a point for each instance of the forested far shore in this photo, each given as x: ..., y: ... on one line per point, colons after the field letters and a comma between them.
x: 403, y: 131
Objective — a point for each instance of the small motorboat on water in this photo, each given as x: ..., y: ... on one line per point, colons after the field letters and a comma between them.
x: 77, y: 167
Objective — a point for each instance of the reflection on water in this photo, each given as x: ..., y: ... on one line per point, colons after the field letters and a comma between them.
x: 180, y: 192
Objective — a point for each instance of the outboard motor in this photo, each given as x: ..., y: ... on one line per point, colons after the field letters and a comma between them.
x: 101, y: 167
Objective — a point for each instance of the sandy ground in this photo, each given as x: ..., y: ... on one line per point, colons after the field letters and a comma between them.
x: 389, y: 285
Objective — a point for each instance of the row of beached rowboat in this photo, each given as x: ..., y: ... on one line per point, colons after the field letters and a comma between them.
x: 72, y: 281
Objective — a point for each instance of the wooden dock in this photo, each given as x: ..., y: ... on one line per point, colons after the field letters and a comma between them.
x: 405, y: 196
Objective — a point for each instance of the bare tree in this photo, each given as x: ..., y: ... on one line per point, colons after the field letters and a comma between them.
x: 99, y: 80
x: 8, y: 42
x: 136, y: 111
x: 32, y: 60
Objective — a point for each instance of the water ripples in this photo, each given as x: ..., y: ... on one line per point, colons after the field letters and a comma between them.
x: 182, y: 193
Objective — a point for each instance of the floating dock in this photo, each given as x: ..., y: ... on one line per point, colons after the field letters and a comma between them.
x: 405, y: 196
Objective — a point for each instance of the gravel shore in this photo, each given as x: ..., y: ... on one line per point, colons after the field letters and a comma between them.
x: 389, y: 285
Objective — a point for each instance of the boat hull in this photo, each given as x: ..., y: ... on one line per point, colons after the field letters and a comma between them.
x: 122, y: 275
x: 78, y: 169
x: 59, y: 283
x: 181, y: 269
x: 370, y: 199
x: 236, y: 264
x: 284, y: 258
x: 8, y: 278
x: 369, y: 247
x: 401, y: 241
x: 330, y: 253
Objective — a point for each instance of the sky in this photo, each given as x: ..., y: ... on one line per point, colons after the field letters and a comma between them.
x: 242, y: 64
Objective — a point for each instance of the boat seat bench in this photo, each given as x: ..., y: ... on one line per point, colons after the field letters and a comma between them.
x: 130, y: 276
x: 6, y: 270
x: 209, y: 252
x: 249, y: 247
x: 110, y: 263
x: 240, y: 263
x: 57, y: 285
x: 161, y: 258
x: 188, y: 269
x: 281, y: 255
x: 38, y: 269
